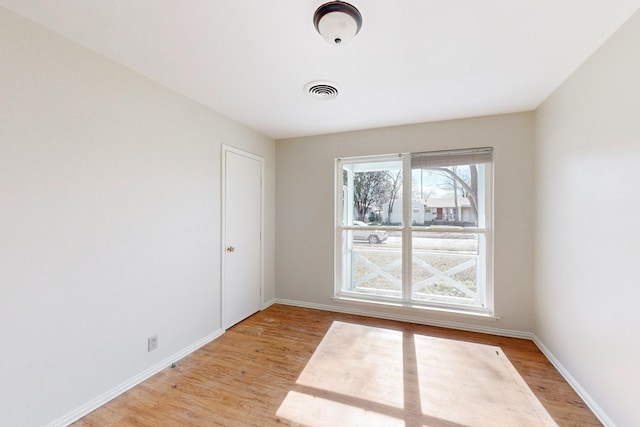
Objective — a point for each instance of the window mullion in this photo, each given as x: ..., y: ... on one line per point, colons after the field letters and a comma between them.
x: 453, y: 260
x: 407, y: 216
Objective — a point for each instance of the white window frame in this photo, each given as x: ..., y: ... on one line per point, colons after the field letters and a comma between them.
x: 483, y: 230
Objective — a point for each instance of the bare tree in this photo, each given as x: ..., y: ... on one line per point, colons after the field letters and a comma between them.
x: 470, y: 189
x: 395, y: 183
x: 454, y: 184
x: 369, y: 189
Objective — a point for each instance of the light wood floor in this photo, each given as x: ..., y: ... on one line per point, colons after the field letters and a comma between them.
x: 243, y: 377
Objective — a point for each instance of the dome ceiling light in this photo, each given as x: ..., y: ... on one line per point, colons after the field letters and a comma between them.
x: 337, y: 21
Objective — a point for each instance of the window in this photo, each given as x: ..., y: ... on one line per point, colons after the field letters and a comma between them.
x: 415, y: 229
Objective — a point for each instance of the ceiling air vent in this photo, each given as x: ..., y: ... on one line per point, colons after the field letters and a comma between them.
x: 321, y: 90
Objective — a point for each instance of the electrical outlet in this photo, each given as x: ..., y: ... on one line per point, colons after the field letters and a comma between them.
x: 152, y: 342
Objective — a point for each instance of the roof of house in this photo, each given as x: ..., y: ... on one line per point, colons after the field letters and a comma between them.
x: 447, y: 202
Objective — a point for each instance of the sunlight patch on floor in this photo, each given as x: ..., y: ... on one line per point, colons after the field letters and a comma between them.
x: 318, y: 412
x: 370, y: 376
x: 358, y: 361
x: 466, y: 382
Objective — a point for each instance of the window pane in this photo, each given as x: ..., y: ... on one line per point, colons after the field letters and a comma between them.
x: 445, y: 268
x: 372, y: 192
x: 448, y: 195
x: 372, y: 262
x: 447, y: 215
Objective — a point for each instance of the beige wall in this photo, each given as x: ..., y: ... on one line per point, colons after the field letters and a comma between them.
x: 109, y: 222
x: 588, y: 198
x: 305, y: 206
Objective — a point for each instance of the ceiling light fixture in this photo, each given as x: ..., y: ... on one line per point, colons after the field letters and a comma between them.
x: 337, y: 21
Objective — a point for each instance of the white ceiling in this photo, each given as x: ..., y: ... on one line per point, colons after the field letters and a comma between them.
x: 413, y: 61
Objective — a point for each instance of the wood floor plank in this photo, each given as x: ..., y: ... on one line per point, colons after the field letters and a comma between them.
x: 243, y: 377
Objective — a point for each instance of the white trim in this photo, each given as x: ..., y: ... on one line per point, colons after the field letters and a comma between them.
x: 144, y: 375
x: 484, y: 296
x: 434, y: 308
x: 268, y: 304
x: 595, y: 408
x: 223, y: 223
x: 411, y: 319
x: 407, y: 232
x: 95, y: 403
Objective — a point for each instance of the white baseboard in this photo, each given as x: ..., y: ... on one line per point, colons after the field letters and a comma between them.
x: 602, y: 416
x: 118, y: 390
x: 132, y: 382
x: 410, y: 319
x: 268, y: 304
x: 595, y: 408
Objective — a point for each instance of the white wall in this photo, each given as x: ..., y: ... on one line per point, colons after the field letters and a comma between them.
x: 587, y: 247
x: 109, y: 222
x: 305, y: 207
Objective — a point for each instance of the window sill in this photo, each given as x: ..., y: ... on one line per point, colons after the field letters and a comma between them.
x: 402, y: 305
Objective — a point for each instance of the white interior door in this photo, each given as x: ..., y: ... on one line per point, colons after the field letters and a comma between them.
x: 241, y: 235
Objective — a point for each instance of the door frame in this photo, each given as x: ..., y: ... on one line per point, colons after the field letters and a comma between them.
x: 223, y: 225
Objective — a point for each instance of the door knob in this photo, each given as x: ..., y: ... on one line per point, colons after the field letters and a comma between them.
x: 230, y: 249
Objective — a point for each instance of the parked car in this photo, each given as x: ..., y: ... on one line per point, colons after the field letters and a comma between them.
x: 368, y: 234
